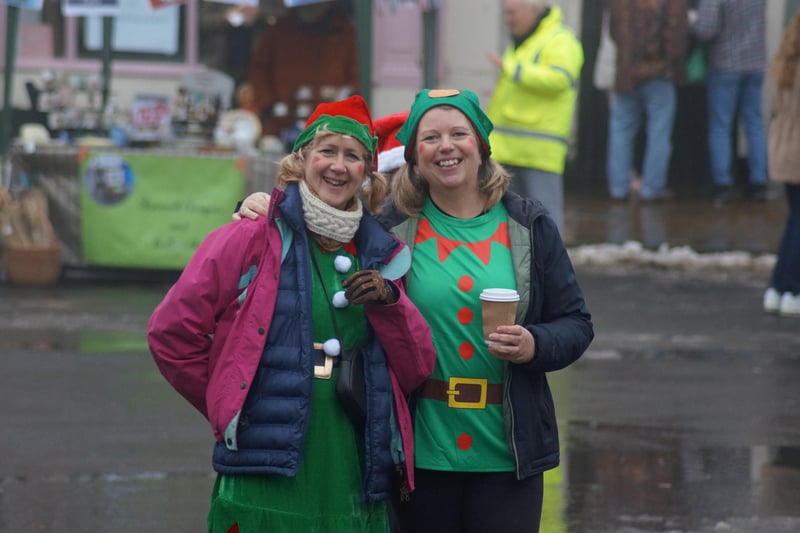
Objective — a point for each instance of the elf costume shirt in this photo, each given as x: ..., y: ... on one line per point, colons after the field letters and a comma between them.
x: 454, y: 260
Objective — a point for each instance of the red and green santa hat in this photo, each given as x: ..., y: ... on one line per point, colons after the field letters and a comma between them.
x: 348, y: 117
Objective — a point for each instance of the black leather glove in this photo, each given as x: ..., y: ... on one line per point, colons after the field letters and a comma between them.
x: 368, y: 286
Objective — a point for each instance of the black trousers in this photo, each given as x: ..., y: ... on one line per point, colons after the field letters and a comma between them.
x: 467, y: 502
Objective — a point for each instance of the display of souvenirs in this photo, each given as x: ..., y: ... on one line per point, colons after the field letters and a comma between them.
x: 237, y: 129
x: 72, y: 102
x: 199, y: 113
x: 303, y: 103
x: 150, y: 118
x: 202, y: 97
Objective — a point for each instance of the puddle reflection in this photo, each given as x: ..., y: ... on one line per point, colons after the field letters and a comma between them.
x: 622, y: 478
x: 753, y: 227
x: 99, y: 342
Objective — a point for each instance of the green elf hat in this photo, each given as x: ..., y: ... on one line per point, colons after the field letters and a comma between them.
x: 464, y: 100
x: 348, y: 117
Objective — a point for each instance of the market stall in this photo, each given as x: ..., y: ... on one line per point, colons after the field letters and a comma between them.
x: 140, y: 187
x: 138, y: 208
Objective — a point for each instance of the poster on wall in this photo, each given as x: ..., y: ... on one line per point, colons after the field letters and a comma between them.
x: 33, y: 5
x: 81, y: 8
x: 153, y: 211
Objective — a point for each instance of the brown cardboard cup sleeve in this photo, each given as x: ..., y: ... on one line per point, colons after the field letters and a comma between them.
x: 498, y: 308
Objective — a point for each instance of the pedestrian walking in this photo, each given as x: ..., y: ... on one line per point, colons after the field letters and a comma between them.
x: 783, y: 85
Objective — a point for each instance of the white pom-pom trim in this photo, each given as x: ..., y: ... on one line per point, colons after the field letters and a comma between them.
x: 332, y: 347
x: 340, y: 300
x: 342, y: 263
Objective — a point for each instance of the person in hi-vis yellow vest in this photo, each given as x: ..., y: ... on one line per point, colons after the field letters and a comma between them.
x: 534, y: 100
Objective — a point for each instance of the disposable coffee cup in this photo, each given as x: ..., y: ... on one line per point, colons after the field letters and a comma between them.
x: 498, y: 308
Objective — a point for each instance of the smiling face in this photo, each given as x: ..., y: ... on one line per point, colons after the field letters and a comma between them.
x: 447, y: 152
x: 335, y: 168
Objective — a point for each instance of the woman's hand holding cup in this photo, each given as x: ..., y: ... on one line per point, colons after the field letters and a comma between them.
x: 505, y: 340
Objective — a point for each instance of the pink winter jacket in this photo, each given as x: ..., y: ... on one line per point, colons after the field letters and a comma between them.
x: 207, y: 335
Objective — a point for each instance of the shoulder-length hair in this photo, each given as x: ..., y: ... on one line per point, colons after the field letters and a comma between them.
x: 410, y: 189
x: 373, y: 190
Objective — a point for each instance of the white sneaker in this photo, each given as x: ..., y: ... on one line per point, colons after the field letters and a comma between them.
x: 772, y: 300
x: 790, y: 305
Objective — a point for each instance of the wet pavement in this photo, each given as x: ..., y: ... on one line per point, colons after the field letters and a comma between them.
x: 688, y: 220
x: 683, y: 416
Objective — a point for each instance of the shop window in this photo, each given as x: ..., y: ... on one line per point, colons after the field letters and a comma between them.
x: 142, y: 37
x: 139, y: 34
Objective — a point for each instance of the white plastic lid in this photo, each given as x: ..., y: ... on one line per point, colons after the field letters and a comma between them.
x: 499, y: 295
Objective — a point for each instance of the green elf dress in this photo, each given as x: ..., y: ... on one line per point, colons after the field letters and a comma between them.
x: 326, y: 494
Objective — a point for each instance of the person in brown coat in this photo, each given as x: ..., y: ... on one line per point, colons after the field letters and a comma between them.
x: 306, y: 57
x: 783, y: 140
x: 651, y: 37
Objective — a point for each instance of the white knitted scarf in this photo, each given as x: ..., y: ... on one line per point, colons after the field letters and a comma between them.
x: 328, y: 221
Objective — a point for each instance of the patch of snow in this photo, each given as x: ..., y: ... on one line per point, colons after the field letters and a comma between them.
x: 632, y: 253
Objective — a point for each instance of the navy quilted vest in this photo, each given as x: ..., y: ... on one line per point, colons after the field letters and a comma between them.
x: 272, y: 425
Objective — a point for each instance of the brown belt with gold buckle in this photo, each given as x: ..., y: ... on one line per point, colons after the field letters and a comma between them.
x: 463, y: 393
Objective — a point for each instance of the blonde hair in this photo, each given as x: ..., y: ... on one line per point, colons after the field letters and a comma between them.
x: 783, y: 72
x: 410, y: 189
x: 373, y: 190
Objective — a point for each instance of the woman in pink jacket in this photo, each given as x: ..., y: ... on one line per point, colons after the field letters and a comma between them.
x: 253, y: 331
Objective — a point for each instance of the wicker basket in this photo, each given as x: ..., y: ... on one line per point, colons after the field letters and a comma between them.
x: 32, y: 265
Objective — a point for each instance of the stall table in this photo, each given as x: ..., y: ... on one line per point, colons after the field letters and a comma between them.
x: 138, y: 208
